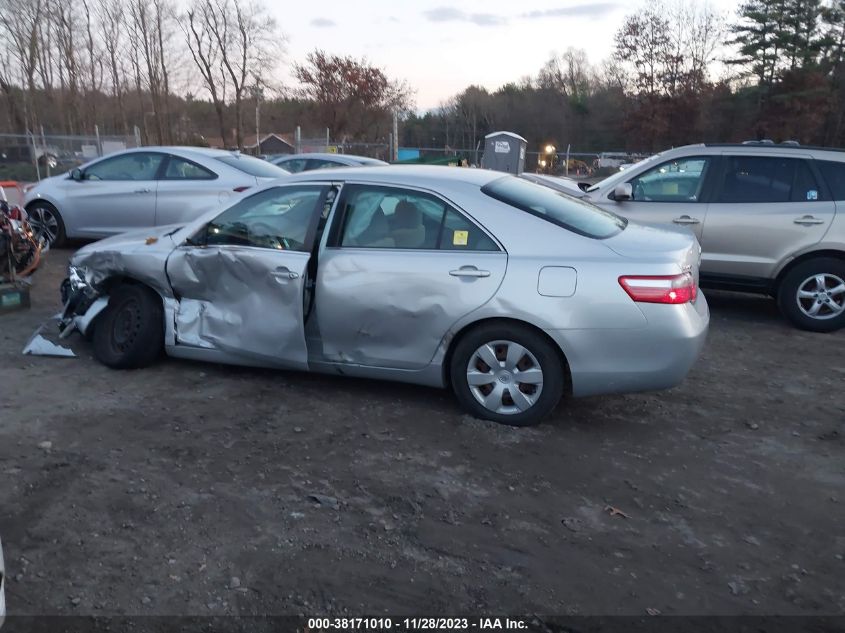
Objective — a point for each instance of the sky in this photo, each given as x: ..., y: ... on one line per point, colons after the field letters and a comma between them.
x: 441, y: 48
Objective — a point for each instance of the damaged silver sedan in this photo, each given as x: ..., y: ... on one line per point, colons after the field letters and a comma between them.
x: 509, y: 293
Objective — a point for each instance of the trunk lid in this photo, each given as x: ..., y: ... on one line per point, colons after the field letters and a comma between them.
x: 658, y: 243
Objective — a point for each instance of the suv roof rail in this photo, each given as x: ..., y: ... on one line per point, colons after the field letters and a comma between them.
x: 791, y: 143
x: 765, y: 141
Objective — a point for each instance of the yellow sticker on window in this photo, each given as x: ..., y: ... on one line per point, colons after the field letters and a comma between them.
x: 459, y: 238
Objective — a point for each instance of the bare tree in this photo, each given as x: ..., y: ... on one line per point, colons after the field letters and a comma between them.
x: 19, y: 20
x: 206, y: 55
x: 111, y: 19
x: 249, y: 44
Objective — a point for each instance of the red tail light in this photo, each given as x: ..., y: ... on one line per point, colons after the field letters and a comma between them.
x: 240, y: 189
x: 660, y: 288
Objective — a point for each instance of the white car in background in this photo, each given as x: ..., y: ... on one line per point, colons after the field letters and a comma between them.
x: 142, y: 187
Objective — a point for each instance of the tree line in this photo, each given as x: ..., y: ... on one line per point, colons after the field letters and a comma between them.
x: 679, y: 73
x: 181, y: 75
x: 186, y: 73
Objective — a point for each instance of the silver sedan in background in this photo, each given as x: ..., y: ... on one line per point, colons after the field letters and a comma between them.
x: 509, y: 293
x: 142, y: 187
x: 296, y: 163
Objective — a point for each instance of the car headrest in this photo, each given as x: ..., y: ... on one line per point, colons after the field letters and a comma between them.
x: 407, y: 215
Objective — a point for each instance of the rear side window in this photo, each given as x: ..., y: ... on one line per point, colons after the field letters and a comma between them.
x: 749, y: 179
x: 182, y: 169
x: 571, y: 213
x: 834, y: 174
x: 389, y: 217
x: 252, y: 166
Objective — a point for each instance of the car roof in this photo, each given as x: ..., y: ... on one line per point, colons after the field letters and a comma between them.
x: 324, y: 155
x: 423, y: 175
x: 182, y: 150
x: 759, y: 147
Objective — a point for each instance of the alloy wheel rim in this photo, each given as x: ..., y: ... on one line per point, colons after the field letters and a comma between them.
x: 44, y: 223
x: 822, y: 296
x: 504, y: 377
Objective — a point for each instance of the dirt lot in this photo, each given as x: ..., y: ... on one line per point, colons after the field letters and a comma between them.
x: 187, y: 488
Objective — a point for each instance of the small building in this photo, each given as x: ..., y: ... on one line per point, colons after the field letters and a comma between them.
x: 268, y: 145
x: 504, y: 151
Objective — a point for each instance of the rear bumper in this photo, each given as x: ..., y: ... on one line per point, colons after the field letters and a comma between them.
x: 658, y: 356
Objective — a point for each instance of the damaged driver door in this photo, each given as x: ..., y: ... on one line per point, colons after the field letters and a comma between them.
x: 240, y: 281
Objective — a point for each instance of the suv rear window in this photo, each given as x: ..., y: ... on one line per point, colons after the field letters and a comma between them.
x: 571, y: 213
x: 253, y: 166
x: 834, y: 174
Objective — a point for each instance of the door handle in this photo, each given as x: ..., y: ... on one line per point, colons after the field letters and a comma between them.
x: 469, y: 271
x: 283, y: 272
x: 808, y: 220
x: 142, y: 191
x: 685, y: 219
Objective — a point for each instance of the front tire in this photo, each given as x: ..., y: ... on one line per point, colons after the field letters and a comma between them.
x: 812, y: 295
x: 46, y: 222
x: 507, y: 373
x: 130, y: 332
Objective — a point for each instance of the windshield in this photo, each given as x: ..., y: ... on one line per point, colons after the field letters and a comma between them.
x: 621, y: 175
x: 571, y: 213
x: 253, y: 166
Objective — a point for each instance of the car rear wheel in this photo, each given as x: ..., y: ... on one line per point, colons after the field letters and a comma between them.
x: 812, y: 295
x: 46, y: 222
x: 508, y: 374
x: 130, y: 332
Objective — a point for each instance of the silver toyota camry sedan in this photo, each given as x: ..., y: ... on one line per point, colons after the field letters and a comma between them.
x: 142, y: 187
x: 509, y: 293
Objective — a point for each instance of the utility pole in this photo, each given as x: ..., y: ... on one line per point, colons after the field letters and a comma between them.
x: 394, y: 146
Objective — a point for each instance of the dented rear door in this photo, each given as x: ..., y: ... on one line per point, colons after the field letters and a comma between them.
x: 241, y: 282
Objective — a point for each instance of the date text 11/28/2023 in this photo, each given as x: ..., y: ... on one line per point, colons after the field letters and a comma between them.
x: 416, y: 624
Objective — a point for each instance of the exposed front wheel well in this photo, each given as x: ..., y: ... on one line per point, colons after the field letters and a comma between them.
x: 447, y: 361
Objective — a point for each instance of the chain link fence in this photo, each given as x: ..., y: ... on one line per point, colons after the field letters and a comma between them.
x: 30, y: 157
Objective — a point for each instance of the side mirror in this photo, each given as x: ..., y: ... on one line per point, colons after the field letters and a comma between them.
x: 623, y: 191
x: 76, y: 174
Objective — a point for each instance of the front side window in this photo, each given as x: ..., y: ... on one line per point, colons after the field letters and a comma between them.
x: 182, y: 169
x: 132, y: 166
x: 678, y: 180
x: 749, y: 179
x: 281, y: 218
x: 387, y: 217
x: 576, y: 215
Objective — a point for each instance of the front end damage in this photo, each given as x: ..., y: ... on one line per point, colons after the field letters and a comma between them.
x: 134, y: 257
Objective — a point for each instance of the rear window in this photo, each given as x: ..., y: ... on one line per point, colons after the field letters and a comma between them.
x: 834, y: 174
x: 571, y: 213
x: 253, y: 166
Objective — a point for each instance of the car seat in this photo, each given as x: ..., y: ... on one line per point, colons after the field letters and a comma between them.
x: 377, y: 233
x: 408, y: 228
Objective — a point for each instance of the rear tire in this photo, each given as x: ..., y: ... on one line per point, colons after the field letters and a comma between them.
x: 129, y: 334
x: 812, y: 295
x: 521, y: 382
x: 46, y: 221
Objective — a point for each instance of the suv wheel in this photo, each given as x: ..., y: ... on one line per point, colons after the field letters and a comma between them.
x: 812, y: 295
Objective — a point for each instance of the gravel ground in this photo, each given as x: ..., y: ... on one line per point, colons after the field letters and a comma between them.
x: 202, y: 489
